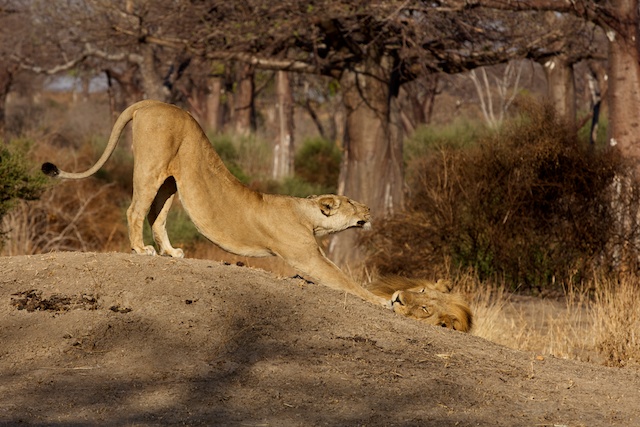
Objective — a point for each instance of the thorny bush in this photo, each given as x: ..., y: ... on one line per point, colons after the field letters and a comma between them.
x: 529, y: 205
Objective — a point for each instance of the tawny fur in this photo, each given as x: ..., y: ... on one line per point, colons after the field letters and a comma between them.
x: 172, y: 154
x: 425, y: 300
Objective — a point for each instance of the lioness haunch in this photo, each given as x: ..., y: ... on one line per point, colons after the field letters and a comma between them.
x: 172, y: 153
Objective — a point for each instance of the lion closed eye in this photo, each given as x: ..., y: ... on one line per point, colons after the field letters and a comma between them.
x: 426, y: 301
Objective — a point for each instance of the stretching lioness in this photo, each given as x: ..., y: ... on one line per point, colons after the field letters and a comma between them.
x: 171, y: 153
x: 430, y: 302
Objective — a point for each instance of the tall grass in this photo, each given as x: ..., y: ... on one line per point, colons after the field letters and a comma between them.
x: 598, y: 323
x: 616, y: 321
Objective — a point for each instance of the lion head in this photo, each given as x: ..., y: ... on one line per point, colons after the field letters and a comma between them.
x: 339, y: 213
x: 427, y: 301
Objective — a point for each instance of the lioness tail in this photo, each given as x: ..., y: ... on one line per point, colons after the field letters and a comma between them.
x: 125, y: 117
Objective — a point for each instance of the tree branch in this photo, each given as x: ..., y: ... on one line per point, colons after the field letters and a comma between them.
x: 89, y: 51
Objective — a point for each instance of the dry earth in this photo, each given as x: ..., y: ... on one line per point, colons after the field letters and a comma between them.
x: 119, y: 339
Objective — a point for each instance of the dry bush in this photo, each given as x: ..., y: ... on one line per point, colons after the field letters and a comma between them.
x: 616, y: 313
x: 70, y: 216
x: 73, y: 215
x: 530, y: 206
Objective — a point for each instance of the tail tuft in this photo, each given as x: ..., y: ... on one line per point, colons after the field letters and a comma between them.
x: 50, y: 169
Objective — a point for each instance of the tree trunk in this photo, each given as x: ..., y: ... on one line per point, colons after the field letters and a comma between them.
x: 561, y: 88
x: 624, y: 82
x: 624, y: 122
x: 243, y: 102
x: 152, y: 83
x: 372, y: 169
x: 6, y: 80
x: 284, y: 144
x: 213, y: 104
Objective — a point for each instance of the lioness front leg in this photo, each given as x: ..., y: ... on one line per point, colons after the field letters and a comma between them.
x: 328, y: 274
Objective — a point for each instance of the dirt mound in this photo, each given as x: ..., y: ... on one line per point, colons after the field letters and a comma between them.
x: 118, y: 339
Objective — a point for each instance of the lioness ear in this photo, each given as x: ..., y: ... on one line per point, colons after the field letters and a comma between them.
x: 328, y: 205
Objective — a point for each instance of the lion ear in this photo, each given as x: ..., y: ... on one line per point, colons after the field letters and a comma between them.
x: 328, y: 205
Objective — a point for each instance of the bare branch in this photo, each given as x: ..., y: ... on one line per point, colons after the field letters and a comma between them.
x: 88, y: 52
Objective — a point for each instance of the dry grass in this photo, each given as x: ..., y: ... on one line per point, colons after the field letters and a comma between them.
x: 80, y: 215
x: 616, y: 316
x: 65, y: 218
x: 601, y: 326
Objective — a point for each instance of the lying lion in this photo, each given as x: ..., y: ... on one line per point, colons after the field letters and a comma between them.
x: 427, y: 301
x: 172, y: 153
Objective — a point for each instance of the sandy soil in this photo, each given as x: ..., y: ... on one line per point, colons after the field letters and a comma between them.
x: 119, y: 339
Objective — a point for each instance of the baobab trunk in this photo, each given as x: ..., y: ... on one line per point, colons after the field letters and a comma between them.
x: 152, y: 83
x: 284, y: 144
x: 624, y: 123
x: 372, y: 168
x: 213, y: 116
x: 243, y: 102
x: 624, y: 95
x: 561, y: 88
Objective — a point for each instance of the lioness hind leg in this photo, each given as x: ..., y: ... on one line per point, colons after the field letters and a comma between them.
x: 157, y: 217
x: 135, y: 220
x: 143, y: 197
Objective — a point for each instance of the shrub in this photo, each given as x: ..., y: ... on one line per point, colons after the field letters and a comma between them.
x: 318, y: 162
x: 530, y: 204
x: 229, y: 154
x: 292, y: 186
x: 77, y: 215
x: 19, y: 181
x: 459, y: 134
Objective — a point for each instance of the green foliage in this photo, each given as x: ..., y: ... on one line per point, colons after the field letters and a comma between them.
x: 459, y: 134
x: 18, y: 179
x: 318, y: 163
x: 601, y: 137
x: 247, y: 157
x: 529, y: 204
x: 293, y: 186
x: 119, y: 168
x: 227, y: 151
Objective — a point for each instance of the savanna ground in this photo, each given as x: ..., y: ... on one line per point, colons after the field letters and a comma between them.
x: 119, y: 339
